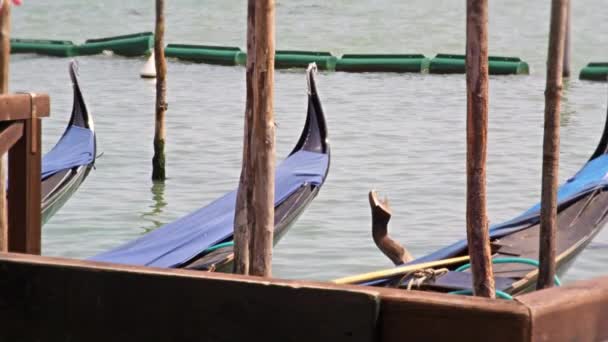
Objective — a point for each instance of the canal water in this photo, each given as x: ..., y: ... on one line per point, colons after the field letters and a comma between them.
x: 401, y: 134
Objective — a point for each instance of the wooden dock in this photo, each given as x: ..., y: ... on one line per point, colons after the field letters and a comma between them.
x: 54, y: 299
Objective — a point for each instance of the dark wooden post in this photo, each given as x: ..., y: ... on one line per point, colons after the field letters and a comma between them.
x: 263, y: 140
x: 244, y: 197
x: 5, y: 47
x: 567, y: 44
x: 553, y: 93
x: 158, y: 161
x: 477, y: 128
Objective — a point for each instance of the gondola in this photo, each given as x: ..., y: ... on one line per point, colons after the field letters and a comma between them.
x: 69, y: 162
x: 582, y: 213
x: 203, y: 239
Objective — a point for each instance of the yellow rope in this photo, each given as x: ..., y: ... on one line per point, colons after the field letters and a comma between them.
x: 391, y: 272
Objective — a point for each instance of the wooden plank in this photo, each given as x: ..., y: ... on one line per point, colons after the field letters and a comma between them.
x: 21, y: 106
x: 24, y: 196
x: 52, y: 299
x: 427, y: 316
x: 10, y: 135
x: 576, y: 312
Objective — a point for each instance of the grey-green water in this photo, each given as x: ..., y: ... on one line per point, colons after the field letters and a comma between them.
x: 403, y: 135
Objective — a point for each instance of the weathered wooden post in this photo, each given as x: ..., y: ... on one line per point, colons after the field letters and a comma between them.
x: 553, y: 93
x: 257, y: 180
x: 567, y: 47
x: 158, y: 160
x: 243, y: 212
x: 477, y: 128
x: 5, y: 47
x: 263, y: 139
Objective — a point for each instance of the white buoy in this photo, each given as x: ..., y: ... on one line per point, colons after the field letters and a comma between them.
x: 149, y: 69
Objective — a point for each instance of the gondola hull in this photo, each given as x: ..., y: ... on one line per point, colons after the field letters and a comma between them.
x: 55, y: 201
x: 203, y: 239
x: 582, y: 212
x: 71, y: 160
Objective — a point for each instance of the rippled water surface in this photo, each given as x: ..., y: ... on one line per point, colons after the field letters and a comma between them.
x: 402, y: 134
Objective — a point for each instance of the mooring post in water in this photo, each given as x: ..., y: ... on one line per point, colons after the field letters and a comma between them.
x: 477, y: 128
x: 567, y: 47
x: 158, y: 160
x: 255, y: 197
x: 5, y: 47
x: 243, y: 213
x: 553, y: 93
x: 263, y: 140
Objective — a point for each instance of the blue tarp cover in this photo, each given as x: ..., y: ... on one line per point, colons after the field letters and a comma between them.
x: 76, y: 147
x: 181, y: 240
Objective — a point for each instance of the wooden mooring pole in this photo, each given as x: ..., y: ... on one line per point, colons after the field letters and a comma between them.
x: 553, y: 93
x: 160, y: 134
x: 257, y: 180
x: 477, y: 128
x: 243, y: 212
x: 567, y: 44
x: 5, y: 47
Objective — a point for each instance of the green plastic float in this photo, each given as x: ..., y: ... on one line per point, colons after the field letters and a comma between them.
x: 220, y: 55
x: 130, y: 45
x: 595, y: 72
x: 58, y: 48
x: 454, y: 64
x: 382, y: 63
x: 287, y: 59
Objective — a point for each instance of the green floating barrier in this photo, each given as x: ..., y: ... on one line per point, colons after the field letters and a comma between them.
x: 219, y: 55
x: 454, y: 64
x: 382, y: 63
x: 595, y: 72
x: 131, y: 45
x: 58, y: 48
x: 285, y: 59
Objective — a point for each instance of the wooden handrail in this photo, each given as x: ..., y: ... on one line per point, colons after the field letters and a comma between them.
x: 20, y: 136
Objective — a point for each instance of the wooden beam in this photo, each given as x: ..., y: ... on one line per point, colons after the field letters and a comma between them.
x: 51, y: 299
x: 263, y: 139
x: 553, y: 93
x: 24, y: 196
x: 24, y: 106
x: 477, y: 128
x: 160, y: 132
x: 427, y: 316
x: 575, y: 312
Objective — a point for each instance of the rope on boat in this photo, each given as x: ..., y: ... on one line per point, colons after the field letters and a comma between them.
x: 499, y: 294
x: 420, y: 276
x: 511, y: 260
x: 218, y: 246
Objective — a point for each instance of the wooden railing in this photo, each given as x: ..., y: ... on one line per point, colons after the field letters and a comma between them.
x: 20, y: 136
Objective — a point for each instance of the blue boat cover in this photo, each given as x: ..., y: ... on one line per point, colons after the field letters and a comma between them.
x: 179, y: 241
x: 76, y: 147
x: 592, y: 176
